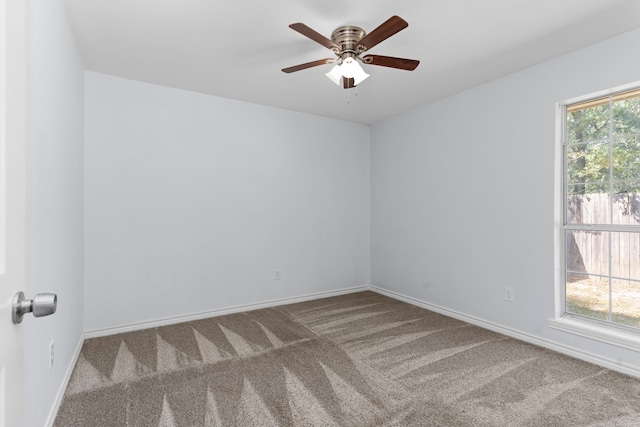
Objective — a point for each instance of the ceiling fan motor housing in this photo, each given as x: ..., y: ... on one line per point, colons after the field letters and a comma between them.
x: 347, y: 38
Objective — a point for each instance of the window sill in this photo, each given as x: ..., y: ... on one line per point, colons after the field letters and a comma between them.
x: 585, y: 329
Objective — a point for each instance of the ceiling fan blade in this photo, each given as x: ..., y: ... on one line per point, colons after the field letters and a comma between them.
x: 382, y: 32
x: 315, y: 36
x: 308, y: 65
x: 348, y: 82
x: 391, y: 62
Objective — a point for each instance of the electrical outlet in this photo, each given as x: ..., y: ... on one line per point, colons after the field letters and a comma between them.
x: 51, y: 354
x: 277, y: 275
x: 508, y: 294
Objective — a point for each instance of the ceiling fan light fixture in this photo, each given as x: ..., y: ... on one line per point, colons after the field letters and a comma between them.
x: 348, y: 68
x: 335, y: 75
x: 351, y: 69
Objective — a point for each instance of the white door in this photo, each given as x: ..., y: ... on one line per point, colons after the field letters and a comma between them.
x: 12, y: 204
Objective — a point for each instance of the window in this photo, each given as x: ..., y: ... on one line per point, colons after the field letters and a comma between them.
x: 601, y: 229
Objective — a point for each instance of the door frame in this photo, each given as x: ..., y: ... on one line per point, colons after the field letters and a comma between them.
x: 12, y: 204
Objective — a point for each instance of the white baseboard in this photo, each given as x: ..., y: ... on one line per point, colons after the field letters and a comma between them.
x: 605, y: 362
x: 218, y: 312
x: 63, y: 387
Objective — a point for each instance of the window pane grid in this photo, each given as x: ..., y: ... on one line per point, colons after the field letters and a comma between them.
x: 634, y: 181
x: 603, y: 276
x: 601, y: 227
x: 614, y: 137
x: 602, y: 210
x: 588, y: 142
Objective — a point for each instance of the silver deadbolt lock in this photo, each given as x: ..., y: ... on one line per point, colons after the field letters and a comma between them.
x: 40, y: 305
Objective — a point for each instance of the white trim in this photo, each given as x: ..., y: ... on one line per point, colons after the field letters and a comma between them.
x: 603, y: 333
x: 590, y: 330
x: 218, y: 312
x: 601, y: 93
x: 559, y: 196
x: 605, y: 362
x: 63, y: 386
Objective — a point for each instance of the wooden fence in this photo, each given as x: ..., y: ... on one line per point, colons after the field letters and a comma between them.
x: 588, y: 250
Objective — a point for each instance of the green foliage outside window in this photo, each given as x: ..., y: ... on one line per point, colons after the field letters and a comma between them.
x: 604, y: 144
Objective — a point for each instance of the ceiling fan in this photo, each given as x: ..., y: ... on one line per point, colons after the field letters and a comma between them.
x: 348, y: 43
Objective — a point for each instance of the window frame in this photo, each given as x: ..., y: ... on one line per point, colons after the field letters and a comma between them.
x: 604, y: 331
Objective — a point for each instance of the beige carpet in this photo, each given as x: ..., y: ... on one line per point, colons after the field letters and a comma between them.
x: 356, y: 360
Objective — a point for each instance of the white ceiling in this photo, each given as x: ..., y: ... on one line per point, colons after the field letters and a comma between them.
x: 236, y: 48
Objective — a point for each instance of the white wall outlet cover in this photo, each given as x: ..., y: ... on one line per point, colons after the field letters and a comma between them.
x: 508, y: 294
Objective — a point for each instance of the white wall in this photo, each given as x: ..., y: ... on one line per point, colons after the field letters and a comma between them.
x: 55, y: 95
x: 463, y: 193
x: 192, y: 201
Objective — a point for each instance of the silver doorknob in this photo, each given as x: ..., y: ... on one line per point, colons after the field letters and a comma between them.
x: 40, y: 305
